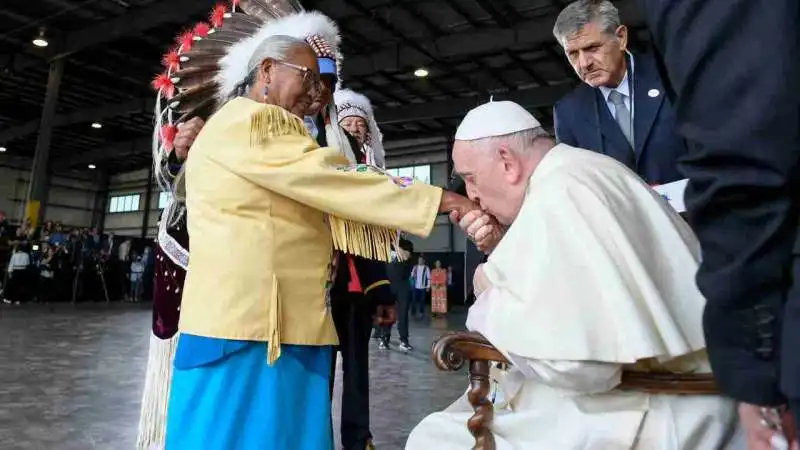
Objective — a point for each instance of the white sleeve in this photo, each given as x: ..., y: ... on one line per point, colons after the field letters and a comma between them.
x: 588, y: 377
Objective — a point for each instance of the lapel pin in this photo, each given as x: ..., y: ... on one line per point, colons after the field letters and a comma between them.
x: 653, y: 93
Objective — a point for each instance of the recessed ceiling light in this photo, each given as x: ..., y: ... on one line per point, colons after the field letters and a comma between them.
x: 92, y: 166
x: 421, y: 73
x: 2, y: 149
x: 97, y: 125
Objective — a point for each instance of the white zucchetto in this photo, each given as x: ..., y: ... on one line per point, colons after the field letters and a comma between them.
x: 495, y: 119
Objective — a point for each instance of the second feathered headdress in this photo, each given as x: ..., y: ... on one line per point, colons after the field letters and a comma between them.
x: 350, y: 103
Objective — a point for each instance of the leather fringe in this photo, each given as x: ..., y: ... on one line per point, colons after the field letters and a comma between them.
x: 271, y: 121
x: 274, y: 324
x: 155, y: 399
x: 367, y: 241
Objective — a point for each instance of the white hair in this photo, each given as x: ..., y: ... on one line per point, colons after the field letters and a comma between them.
x: 519, y: 142
x: 578, y: 14
x: 274, y: 47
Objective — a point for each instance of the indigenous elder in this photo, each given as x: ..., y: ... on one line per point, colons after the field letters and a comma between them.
x: 173, y: 255
x: 253, y: 361
x: 361, y: 289
x: 361, y: 284
x: 593, y: 277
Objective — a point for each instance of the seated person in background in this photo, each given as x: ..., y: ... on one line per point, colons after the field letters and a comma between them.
x: 595, y: 275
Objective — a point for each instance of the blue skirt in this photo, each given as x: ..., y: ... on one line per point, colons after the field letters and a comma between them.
x: 239, y: 402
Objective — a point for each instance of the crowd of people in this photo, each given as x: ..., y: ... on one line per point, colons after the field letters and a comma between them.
x: 54, y: 263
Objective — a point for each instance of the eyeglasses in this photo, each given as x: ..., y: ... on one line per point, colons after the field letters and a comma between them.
x: 311, y: 79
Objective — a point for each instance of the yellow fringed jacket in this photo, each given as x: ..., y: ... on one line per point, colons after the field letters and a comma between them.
x: 265, y: 205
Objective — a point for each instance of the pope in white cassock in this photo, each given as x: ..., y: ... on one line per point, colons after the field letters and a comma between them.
x: 595, y: 275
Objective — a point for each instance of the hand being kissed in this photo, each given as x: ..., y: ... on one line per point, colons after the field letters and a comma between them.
x: 481, y: 228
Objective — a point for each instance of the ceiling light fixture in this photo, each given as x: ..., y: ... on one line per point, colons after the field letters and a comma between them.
x: 40, y: 40
x: 2, y: 149
x: 97, y: 125
x: 92, y: 166
x: 421, y: 73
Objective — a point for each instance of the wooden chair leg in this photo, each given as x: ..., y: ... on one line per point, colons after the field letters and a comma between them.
x: 450, y: 352
x: 480, y: 422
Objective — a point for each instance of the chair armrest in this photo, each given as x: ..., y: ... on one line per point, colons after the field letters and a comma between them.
x: 451, y: 350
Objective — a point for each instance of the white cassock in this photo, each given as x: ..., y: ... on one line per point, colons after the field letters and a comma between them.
x: 595, y: 275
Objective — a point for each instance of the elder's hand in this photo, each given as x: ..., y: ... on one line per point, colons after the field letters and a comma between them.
x: 455, y: 204
x: 187, y: 133
x: 481, y: 227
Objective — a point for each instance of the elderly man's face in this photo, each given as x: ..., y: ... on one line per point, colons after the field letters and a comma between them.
x: 492, y: 179
x: 597, y: 57
x: 357, y: 127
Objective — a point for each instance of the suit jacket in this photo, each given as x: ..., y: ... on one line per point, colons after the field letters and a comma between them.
x: 265, y: 206
x: 738, y: 105
x: 583, y: 120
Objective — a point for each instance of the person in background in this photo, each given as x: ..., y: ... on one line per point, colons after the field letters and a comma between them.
x: 450, y: 284
x: 732, y: 70
x: 5, y: 227
x: 16, y: 288
x: 421, y: 285
x: 620, y: 109
x: 47, y: 288
x: 137, y: 273
x: 438, y: 290
x: 399, y: 272
x: 58, y: 237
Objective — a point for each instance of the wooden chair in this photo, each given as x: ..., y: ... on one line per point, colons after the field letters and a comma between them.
x: 452, y: 350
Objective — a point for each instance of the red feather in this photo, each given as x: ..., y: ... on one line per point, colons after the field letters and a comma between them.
x: 164, y: 84
x: 218, y: 15
x: 171, y: 60
x: 201, y: 29
x: 185, y: 41
x: 168, y: 133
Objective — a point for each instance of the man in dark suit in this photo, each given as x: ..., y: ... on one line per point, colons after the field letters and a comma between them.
x: 620, y: 109
x: 732, y: 68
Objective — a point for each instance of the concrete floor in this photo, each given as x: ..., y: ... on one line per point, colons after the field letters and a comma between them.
x: 71, y: 378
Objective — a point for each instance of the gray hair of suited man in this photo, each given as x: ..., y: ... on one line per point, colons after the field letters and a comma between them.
x: 578, y: 14
x: 519, y: 142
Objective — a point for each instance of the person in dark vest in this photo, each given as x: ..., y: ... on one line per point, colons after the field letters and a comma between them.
x: 731, y: 69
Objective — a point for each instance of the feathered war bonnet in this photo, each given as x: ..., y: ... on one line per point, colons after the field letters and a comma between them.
x: 352, y: 104
x: 322, y: 34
